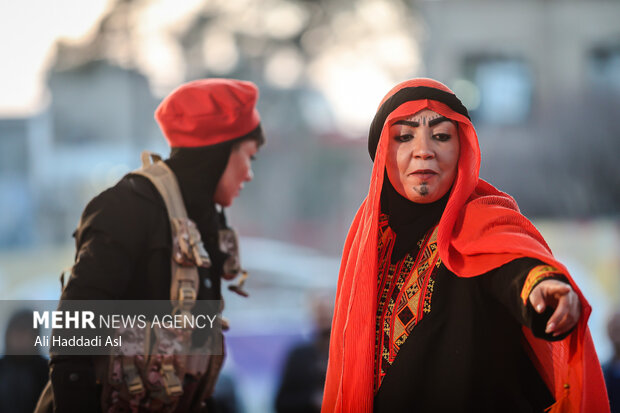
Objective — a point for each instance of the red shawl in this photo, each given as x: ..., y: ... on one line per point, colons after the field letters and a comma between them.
x: 480, y: 229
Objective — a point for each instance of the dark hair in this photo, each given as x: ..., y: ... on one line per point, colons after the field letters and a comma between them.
x: 255, y: 134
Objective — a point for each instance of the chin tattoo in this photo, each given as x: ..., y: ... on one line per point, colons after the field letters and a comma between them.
x: 422, y: 189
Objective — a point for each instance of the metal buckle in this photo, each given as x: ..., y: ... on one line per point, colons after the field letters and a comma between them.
x: 171, y: 381
x: 132, y: 378
x: 187, y: 297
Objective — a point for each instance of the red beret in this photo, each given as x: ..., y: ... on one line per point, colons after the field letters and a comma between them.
x: 208, y: 111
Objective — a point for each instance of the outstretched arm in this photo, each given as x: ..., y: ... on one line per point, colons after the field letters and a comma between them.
x: 537, y: 295
x: 560, y: 296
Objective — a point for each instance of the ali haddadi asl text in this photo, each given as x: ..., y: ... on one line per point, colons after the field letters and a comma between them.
x: 77, y: 341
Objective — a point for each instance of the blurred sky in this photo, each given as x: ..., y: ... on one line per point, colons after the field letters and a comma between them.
x: 29, y: 29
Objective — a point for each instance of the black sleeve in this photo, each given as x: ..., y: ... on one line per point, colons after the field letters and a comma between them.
x: 505, y: 284
x: 102, y: 269
x: 108, y: 242
x: 74, y: 385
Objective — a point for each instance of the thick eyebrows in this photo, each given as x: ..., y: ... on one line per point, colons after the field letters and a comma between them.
x: 407, y: 123
x: 415, y: 124
x: 438, y: 120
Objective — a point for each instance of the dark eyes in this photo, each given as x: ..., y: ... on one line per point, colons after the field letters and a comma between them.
x: 252, y: 158
x: 404, y: 138
x: 441, y: 137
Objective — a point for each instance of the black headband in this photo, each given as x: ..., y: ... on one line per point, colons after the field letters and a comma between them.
x: 406, y: 95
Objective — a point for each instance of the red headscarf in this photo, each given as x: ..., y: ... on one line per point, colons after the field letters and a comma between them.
x: 481, y: 229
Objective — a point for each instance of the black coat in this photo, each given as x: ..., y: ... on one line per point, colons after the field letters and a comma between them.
x: 123, y: 252
x: 124, y: 246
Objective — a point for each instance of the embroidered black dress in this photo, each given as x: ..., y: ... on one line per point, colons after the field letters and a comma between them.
x: 445, y: 343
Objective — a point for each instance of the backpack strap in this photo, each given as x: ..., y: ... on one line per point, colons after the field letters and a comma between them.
x: 148, y: 158
x: 188, y: 250
x: 165, y: 182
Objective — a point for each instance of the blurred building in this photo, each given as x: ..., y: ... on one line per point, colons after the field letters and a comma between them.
x: 542, y: 82
x: 100, y: 117
x: 16, y: 193
x: 97, y: 102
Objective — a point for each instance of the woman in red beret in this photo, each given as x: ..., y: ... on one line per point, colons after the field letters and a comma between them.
x: 125, y: 243
x: 449, y: 300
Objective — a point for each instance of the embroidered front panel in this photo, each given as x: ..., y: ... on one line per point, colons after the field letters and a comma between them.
x: 385, y: 274
x: 404, y: 294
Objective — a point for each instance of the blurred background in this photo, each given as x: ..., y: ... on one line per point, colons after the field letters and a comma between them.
x: 79, y: 81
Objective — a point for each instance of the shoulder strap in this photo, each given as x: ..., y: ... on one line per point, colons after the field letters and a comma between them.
x: 184, y: 282
x: 166, y: 183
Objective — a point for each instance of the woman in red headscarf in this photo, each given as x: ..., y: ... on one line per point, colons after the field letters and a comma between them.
x: 449, y: 300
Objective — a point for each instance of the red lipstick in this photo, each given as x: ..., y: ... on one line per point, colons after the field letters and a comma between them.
x: 424, y: 174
